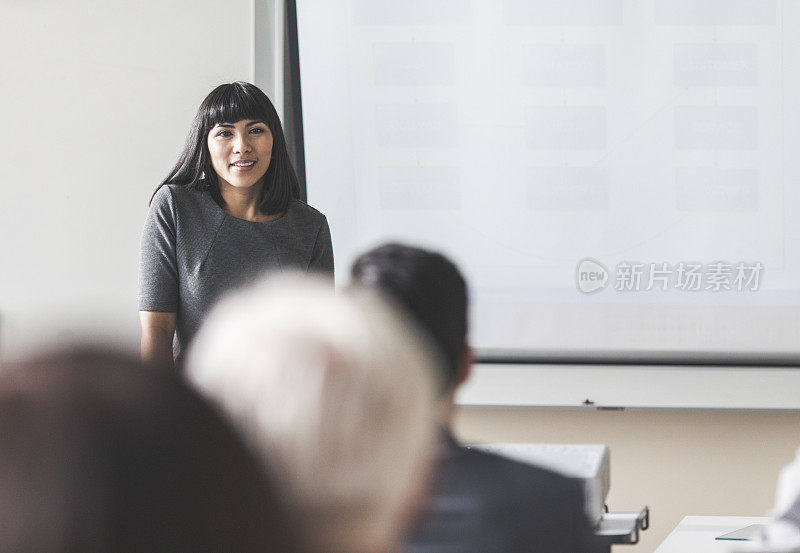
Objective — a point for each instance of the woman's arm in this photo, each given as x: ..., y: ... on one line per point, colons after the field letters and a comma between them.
x: 158, y: 331
x: 158, y: 280
x: 322, y: 254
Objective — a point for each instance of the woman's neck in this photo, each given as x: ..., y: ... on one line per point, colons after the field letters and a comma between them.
x: 242, y: 203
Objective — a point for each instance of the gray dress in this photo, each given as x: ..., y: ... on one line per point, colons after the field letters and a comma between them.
x: 193, y: 252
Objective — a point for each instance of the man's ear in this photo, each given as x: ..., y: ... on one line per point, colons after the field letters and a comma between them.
x: 465, y: 367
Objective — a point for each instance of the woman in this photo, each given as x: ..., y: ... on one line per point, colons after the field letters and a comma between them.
x: 228, y: 211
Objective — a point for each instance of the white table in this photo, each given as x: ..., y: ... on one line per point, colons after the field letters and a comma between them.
x: 696, y: 534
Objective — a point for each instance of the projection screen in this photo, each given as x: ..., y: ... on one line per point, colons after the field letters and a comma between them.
x: 617, y: 179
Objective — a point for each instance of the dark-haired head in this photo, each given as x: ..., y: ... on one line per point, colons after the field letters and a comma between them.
x: 230, y: 103
x: 98, y: 454
x: 433, y: 291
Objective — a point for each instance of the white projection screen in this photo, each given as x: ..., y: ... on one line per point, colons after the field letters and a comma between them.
x: 618, y: 179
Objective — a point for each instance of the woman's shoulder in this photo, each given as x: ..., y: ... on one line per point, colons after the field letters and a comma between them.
x: 305, y: 219
x: 301, y: 211
x: 176, y: 192
x: 178, y: 195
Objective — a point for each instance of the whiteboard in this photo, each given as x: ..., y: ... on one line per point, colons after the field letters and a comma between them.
x: 613, y: 176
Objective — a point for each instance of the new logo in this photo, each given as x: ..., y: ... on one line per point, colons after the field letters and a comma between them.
x: 591, y: 276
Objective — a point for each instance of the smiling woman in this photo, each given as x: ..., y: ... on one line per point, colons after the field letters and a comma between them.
x: 229, y: 211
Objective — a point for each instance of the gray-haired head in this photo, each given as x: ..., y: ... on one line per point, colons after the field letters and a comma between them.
x: 337, y: 392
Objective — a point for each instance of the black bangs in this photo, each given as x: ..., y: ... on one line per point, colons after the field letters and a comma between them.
x: 233, y: 102
x: 229, y: 103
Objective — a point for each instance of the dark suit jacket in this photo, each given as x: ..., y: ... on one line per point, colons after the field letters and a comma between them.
x: 484, y: 503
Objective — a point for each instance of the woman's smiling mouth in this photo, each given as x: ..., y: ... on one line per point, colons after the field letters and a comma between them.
x: 243, y: 165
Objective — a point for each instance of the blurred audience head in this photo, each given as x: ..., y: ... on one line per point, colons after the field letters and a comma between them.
x: 335, y: 391
x: 432, y: 291
x: 98, y: 454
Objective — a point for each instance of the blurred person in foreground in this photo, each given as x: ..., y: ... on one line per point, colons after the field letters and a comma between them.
x: 335, y: 391
x: 99, y: 455
x: 481, y: 503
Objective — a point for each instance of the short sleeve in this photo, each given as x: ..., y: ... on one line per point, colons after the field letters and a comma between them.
x: 322, y: 254
x: 158, y: 268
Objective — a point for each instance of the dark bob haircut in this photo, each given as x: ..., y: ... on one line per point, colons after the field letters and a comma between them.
x: 229, y: 103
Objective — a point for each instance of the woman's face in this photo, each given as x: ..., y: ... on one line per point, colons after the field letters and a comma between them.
x: 240, y: 152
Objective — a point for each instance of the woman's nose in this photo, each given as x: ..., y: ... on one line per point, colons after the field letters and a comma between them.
x: 242, y: 145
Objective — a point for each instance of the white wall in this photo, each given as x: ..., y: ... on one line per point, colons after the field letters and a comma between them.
x: 96, y: 100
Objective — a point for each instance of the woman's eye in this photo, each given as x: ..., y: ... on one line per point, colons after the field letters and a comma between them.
x: 257, y: 130
x: 224, y: 133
